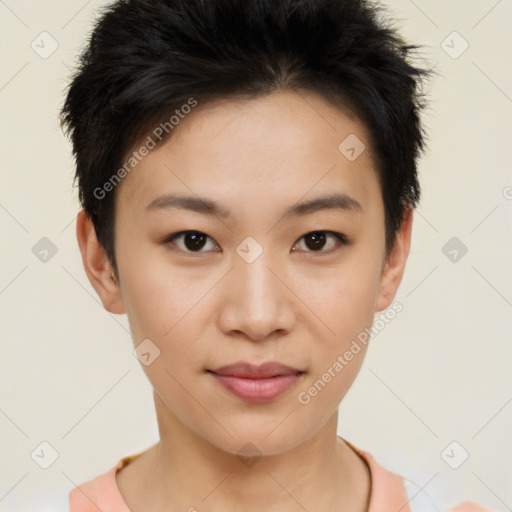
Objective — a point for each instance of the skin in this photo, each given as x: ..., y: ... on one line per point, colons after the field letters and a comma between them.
x: 210, y: 308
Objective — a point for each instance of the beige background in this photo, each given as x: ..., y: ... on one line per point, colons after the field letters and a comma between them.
x: 439, y: 372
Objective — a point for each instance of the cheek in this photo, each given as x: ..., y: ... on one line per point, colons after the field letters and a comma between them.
x: 156, y: 295
x: 163, y: 304
x: 348, y: 313
x: 160, y: 309
x: 343, y: 297
x: 346, y: 309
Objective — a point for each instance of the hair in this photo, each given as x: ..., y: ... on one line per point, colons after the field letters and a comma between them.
x: 147, y: 58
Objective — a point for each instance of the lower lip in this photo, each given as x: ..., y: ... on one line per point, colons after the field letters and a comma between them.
x: 257, y: 390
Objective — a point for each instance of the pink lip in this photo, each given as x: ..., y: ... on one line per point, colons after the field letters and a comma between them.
x: 257, y: 390
x: 251, y: 371
x: 257, y: 383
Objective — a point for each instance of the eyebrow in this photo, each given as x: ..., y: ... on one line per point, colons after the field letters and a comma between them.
x: 338, y: 201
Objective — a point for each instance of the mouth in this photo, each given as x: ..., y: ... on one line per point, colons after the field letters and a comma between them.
x: 251, y: 371
x: 257, y: 383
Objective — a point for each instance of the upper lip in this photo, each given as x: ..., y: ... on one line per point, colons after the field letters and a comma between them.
x: 251, y: 371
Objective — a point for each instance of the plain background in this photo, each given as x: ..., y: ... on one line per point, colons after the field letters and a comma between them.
x: 438, y: 373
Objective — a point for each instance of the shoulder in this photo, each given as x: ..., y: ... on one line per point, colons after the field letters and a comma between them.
x: 390, y: 491
x: 86, y: 496
x: 468, y: 506
x: 418, y: 498
x: 100, y: 494
x: 420, y: 501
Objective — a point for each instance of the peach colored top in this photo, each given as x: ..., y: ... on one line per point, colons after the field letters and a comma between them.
x: 389, y: 492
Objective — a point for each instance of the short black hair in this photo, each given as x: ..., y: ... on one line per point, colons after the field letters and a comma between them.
x: 145, y: 59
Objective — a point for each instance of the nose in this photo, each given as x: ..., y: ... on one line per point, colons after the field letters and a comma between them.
x: 256, y: 303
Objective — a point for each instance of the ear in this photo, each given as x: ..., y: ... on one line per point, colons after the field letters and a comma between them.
x: 96, y: 265
x: 393, y: 268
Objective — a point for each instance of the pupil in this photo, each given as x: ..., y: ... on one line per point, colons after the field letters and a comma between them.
x: 196, y: 239
x: 317, y: 239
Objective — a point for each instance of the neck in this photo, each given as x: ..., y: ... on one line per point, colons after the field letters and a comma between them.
x: 184, y: 471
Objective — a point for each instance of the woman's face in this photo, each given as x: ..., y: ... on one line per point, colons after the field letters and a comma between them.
x: 252, y: 283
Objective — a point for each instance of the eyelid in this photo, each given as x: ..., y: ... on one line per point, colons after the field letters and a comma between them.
x: 170, y: 238
x: 341, y: 237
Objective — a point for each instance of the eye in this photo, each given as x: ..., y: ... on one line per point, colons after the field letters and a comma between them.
x: 316, y: 241
x: 192, y: 241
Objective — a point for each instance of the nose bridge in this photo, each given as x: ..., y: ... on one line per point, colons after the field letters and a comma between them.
x: 258, y: 301
x: 257, y: 281
x: 256, y: 287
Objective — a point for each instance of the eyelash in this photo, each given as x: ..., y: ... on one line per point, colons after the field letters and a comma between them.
x: 342, y: 239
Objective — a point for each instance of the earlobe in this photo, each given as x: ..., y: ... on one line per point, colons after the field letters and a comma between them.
x: 96, y: 265
x: 395, y: 265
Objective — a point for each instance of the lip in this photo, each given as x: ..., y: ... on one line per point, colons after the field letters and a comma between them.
x: 258, y: 384
x: 251, y: 371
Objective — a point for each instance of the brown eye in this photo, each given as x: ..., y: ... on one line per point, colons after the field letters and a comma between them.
x: 191, y: 241
x: 317, y: 241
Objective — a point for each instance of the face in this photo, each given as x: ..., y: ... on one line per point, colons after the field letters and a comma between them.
x: 262, y: 277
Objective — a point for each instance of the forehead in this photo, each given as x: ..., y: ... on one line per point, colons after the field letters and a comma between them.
x: 278, y: 148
